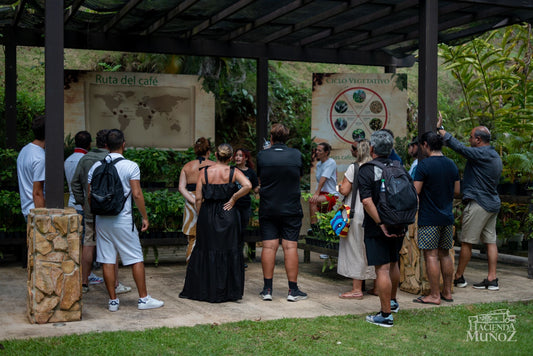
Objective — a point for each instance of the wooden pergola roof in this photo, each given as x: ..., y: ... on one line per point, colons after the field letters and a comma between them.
x: 366, y: 32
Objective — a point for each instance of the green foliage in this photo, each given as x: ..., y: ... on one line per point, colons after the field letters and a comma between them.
x: 158, y: 165
x: 164, y: 209
x: 10, y: 211
x: 28, y: 107
x: 8, y: 173
x: 495, y: 75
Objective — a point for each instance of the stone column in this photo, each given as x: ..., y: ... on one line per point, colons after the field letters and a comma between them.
x: 54, y: 271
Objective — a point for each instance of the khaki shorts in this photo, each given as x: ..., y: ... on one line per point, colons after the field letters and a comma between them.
x: 90, y: 234
x: 478, y: 225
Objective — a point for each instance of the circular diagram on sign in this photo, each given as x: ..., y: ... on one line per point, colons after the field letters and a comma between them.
x: 356, y: 113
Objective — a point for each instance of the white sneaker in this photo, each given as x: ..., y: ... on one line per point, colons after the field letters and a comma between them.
x: 121, y: 288
x: 94, y: 279
x: 113, y: 305
x: 149, y: 303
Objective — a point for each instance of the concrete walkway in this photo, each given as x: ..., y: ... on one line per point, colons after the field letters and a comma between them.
x: 166, y: 281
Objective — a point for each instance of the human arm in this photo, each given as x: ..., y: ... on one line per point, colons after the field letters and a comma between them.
x: 457, y: 189
x: 346, y: 187
x: 418, y: 186
x: 182, y: 187
x: 38, y: 194
x: 138, y: 197
x: 198, y: 193
x: 372, y: 211
x: 246, y: 186
x: 76, y: 186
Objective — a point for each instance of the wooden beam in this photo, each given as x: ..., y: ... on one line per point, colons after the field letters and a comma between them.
x: 228, y: 11
x: 53, y: 76
x: 72, y: 10
x: 427, y: 67
x: 183, y: 6
x: 263, y: 20
x: 311, y: 21
x: 10, y: 97
x: 123, y: 12
x: 262, y: 103
x: 18, y: 13
x: 353, y: 24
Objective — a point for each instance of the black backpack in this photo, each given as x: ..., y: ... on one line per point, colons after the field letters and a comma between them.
x: 107, y: 193
x: 398, y: 199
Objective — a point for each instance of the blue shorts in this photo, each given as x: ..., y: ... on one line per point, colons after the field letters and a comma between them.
x: 433, y: 237
x: 280, y: 227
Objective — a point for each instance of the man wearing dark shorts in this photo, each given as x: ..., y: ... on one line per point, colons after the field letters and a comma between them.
x: 382, y: 246
x: 280, y: 212
x: 436, y: 181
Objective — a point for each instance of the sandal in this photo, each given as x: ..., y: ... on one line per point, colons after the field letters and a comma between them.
x: 351, y: 295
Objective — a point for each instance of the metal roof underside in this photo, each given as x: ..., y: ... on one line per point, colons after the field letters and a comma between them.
x: 379, y: 32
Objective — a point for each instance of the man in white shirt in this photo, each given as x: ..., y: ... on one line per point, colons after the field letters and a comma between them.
x: 31, y: 169
x: 117, y: 233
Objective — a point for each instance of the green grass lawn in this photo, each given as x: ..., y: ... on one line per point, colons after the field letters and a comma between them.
x: 435, y: 331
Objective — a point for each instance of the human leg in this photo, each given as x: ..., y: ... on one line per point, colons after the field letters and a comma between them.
x: 191, y: 240
x: 384, y: 286
x: 464, y: 257
x: 446, y: 267
x: 109, y: 279
x: 268, y: 257
x: 290, y: 251
x: 137, y: 270
x: 87, y: 257
x: 431, y: 258
x: 492, y: 254
x: 314, y: 207
x: 356, y: 292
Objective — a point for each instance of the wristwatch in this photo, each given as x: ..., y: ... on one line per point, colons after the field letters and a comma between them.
x: 440, y: 128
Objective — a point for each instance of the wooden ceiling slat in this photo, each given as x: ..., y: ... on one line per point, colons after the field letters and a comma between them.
x: 386, y: 11
x: 18, y: 13
x: 73, y: 10
x: 228, y: 11
x: 183, y: 6
x: 295, y: 5
x: 123, y: 12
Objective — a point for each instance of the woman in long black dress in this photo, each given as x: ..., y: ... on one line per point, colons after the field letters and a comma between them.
x: 215, y: 272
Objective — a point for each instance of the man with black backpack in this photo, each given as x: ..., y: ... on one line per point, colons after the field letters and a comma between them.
x: 390, y: 202
x: 111, y: 182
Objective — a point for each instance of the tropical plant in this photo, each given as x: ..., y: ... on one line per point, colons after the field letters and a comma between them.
x: 10, y: 211
x: 8, y: 173
x: 495, y: 76
x: 164, y: 209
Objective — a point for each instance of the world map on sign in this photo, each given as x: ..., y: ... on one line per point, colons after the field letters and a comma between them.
x: 152, y: 115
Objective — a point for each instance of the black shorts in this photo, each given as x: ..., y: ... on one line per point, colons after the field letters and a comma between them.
x: 382, y: 250
x: 284, y: 227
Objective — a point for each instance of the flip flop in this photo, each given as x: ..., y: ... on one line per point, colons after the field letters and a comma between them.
x: 449, y: 300
x: 349, y: 295
x: 422, y: 301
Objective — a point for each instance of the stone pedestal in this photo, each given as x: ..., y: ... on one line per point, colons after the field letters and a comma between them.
x: 54, y: 270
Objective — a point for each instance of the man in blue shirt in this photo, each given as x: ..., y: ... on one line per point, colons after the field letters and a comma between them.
x: 436, y: 181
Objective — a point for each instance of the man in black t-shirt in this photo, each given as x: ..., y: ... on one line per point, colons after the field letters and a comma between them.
x: 382, y: 245
x: 280, y: 212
